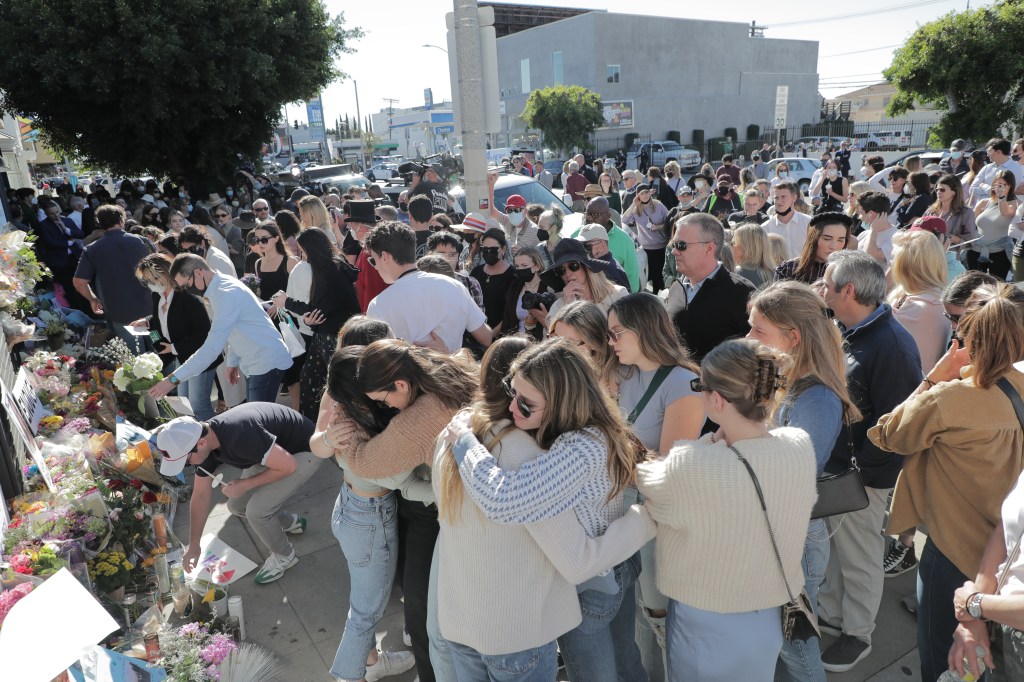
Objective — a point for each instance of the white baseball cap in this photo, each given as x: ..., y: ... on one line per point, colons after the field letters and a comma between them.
x: 592, y: 231
x: 177, y: 439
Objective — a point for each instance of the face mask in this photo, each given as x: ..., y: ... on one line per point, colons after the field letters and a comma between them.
x: 402, y: 206
x: 669, y: 174
x: 723, y: 191
x: 784, y: 176
x: 865, y: 225
x: 832, y: 174
x: 516, y: 218
x: 155, y: 288
x: 492, y: 258
x: 524, y: 274
x: 35, y: 201
x: 700, y: 184
x: 956, y: 155
x: 864, y: 170
x: 1015, y: 157
x: 784, y: 213
x: 235, y: 203
x: 469, y: 238
x: 181, y: 194
x: 686, y: 204
x: 230, y: 193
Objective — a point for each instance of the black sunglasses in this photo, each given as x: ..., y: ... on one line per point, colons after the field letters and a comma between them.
x: 697, y: 387
x: 573, y: 266
x: 682, y: 246
x: 435, y: 227
x: 260, y: 240
x: 372, y: 261
x: 490, y: 250
x: 260, y: 209
x: 524, y: 407
x: 514, y: 210
x: 223, y: 215
x: 955, y: 319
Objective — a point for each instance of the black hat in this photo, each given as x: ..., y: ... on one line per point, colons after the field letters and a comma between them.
x: 361, y: 211
x: 569, y: 250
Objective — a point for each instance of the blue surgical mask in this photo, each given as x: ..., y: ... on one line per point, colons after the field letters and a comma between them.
x: 230, y: 193
x: 955, y: 155
x: 181, y: 194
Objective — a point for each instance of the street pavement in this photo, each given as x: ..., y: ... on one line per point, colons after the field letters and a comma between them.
x: 301, y: 616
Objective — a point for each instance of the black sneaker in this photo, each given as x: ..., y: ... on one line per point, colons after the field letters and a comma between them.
x: 829, y: 629
x: 899, y: 559
x: 845, y: 652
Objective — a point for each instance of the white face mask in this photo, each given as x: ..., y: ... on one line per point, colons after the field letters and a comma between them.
x: 832, y: 174
x: 155, y: 288
x: 700, y: 184
x: 516, y: 218
x: 864, y: 170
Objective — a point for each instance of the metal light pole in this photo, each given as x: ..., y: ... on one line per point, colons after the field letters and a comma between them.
x: 362, y: 144
x: 471, y: 103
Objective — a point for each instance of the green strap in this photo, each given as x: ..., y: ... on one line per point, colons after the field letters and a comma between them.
x: 656, y: 381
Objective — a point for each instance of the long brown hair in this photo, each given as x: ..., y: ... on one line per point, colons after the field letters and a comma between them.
x: 645, y: 315
x: 491, y: 406
x: 956, y: 204
x: 805, y: 268
x: 427, y: 372
x: 992, y: 327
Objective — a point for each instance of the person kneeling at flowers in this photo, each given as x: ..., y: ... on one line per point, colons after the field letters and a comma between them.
x: 270, y: 444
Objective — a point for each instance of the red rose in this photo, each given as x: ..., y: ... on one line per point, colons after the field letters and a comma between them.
x: 115, y: 484
x: 148, y: 497
x: 135, y: 483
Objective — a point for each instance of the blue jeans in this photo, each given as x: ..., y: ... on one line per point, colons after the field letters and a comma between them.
x: 532, y: 665
x: 198, y: 390
x: 440, y: 652
x: 800, y: 660
x: 722, y: 647
x: 937, y: 579
x: 603, y: 646
x: 263, y: 388
x: 367, y: 529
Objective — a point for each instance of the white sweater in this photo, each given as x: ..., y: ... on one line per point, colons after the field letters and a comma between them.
x: 506, y: 588
x: 714, y: 552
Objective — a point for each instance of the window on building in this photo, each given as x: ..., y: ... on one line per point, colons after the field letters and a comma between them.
x: 524, y: 72
x: 613, y: 73
x: 557, y: 69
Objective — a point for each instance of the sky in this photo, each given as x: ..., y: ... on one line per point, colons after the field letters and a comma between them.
x: 391, y: 62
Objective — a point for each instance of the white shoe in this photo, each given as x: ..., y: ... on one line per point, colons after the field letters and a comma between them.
x: 406, y: 638
x: 274, y: 567
x: 389, y: 663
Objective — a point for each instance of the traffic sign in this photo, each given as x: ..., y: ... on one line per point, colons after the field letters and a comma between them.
x: 781, y: 104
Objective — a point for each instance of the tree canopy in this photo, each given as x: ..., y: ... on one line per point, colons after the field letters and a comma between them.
x: 967, y: 64
x: 566, y: 114
x: 166, y: 88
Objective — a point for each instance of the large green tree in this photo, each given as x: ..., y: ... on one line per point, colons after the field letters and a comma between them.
x: 164, y: 86
x: 968, y: 64
x: 566, y: 114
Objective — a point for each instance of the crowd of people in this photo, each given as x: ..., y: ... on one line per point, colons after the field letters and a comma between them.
x: 600, y: 445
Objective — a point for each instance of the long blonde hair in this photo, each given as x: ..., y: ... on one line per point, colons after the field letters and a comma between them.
x: 918, y: 264
x: 313, y: 213
x: 757, y: 250
x: 819, y: 356
x: 600, y: 286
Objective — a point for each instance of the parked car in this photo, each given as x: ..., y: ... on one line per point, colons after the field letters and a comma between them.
x: 927, y: 156
x: 815, y: 144
x: 800, y: 169
x: 661, y: 152
x: 382, y: 172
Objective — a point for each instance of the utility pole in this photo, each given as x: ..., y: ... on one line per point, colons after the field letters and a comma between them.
x: 391, y: 110
x: 362, y: 147
x: 471, y: 103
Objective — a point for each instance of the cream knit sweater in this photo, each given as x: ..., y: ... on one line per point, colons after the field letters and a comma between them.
x: 507, y: 588
x: 714, y: 552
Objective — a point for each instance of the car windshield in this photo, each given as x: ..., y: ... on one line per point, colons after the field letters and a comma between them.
x: 532, y: 191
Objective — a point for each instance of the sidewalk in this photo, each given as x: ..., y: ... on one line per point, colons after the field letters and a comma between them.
x: 301, y: 616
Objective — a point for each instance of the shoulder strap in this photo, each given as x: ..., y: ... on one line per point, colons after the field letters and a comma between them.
x: 764, y: 508
x: 656, y: 381
x: 1018, y: 405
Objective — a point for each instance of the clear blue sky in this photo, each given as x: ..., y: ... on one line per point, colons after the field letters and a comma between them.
x: 390, y: 61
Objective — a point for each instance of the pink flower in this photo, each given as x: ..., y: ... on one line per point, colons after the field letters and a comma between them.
x: 11, y: 597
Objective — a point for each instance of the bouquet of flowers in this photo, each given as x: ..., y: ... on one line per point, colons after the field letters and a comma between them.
x: 41, y: 562
x: 192, y: 654
x: 141, y: 374
x: 253, y: 282
x: 110, y: 570
x: 11, y: 597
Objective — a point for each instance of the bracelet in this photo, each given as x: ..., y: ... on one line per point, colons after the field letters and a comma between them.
x: 928, y: 381
x: 327, y: 441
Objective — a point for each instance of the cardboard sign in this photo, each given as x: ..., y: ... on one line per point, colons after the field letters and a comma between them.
x: 218, y: 563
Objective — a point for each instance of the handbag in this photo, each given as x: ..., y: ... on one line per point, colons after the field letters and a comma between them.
x: 841, y: 493
x: 290, y: 333
x: 656, y: 381
x: 798, y: 619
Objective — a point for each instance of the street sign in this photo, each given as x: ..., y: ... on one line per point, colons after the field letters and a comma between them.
x: 781, y: 104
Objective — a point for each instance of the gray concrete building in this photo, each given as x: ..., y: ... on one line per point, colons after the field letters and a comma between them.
x: 657, y: 74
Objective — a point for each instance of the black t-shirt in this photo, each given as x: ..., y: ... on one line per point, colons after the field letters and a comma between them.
x: 434, y: 191
x: 495, y: 287
x: 421, y: 242
x: 247, y: 432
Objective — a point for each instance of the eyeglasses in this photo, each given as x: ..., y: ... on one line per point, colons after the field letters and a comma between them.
x: 260, y: 240
x: 261, y: 209
x: 573, y: 266
x: 697, y: 387
x: 514, y: 210
x: 223, y: 215
x: 372, y: 261
x: 682, y: 246
x: 955, y: 319
x: 435, y: 227
x: 525, y: 408
x: 384, y: 401
x: 490, y: 250
x: 613, y: 337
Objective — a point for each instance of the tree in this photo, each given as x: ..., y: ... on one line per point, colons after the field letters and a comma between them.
x: 137, y: 88
x: 966, y: 64
x: 566, y: 114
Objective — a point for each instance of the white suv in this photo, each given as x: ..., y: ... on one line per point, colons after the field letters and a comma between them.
x: 661, y: 152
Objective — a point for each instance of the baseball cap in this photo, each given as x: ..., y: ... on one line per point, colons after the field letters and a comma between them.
x: 177, y: 439
x: 932, y: 223
x: 958, y: 145
x: 474, y: 222
x: 685, y: 189
x: 592, y: 231
x: 515, y: 201
x: 643, y: 187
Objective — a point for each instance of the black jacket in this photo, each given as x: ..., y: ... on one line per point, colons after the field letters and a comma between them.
x: 510, y: 321
x: 883, y: 367
x: 334, y: 296
x: 188, y: 323
x: 718, y: 312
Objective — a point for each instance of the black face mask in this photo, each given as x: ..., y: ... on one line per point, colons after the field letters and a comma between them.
x: 491, y: 258
x: 1015, y: 157
x: 784, y: 213
x: 524, y: 274
x: 403, y: 207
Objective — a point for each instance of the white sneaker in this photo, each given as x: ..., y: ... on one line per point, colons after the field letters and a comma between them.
x: 274, y: 567
x: 406, y: 638
x: 298, y: 526
x: 389, y: 663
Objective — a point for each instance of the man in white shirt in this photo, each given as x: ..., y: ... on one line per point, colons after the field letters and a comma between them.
x: 77, y: 206
x: 419, y: 305
x: 787, y: 221
x: 876, y: 240
x: 998, y: 150
x: 255, y: 346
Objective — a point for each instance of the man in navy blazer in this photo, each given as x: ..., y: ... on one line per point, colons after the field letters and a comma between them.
x: 59, y: 245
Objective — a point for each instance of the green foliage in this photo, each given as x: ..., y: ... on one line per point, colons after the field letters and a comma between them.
x: 164, y: 87
x: 567, y: 115
x: 966, y: 63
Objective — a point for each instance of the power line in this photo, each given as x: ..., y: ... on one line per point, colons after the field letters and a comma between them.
x: 854, y: 15
x: 872, y: 49
x: 849, y: 75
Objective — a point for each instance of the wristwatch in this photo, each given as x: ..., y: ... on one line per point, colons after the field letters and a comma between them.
x: 974, y: 605
x: 174, y: 380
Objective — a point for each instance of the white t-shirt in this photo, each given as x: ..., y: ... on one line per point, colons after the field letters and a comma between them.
x: 1013, y: 525
x: 883, y: 241
x: 420, y: 302
x: 794, y: 232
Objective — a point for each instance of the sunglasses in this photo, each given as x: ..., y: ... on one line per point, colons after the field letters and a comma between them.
x: 434, y: 227
x: 574, y: 266
x: 955, y: 319
x: 514, y: 210
x: 525, y: 408
x: 697, y: 387
x: 223, y: 215
x: 682, y: 246
x: 490, y: 250
x: 372, y: 261
x: 260, y: 240
x: 613, y: 337
x: 261, y: 209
